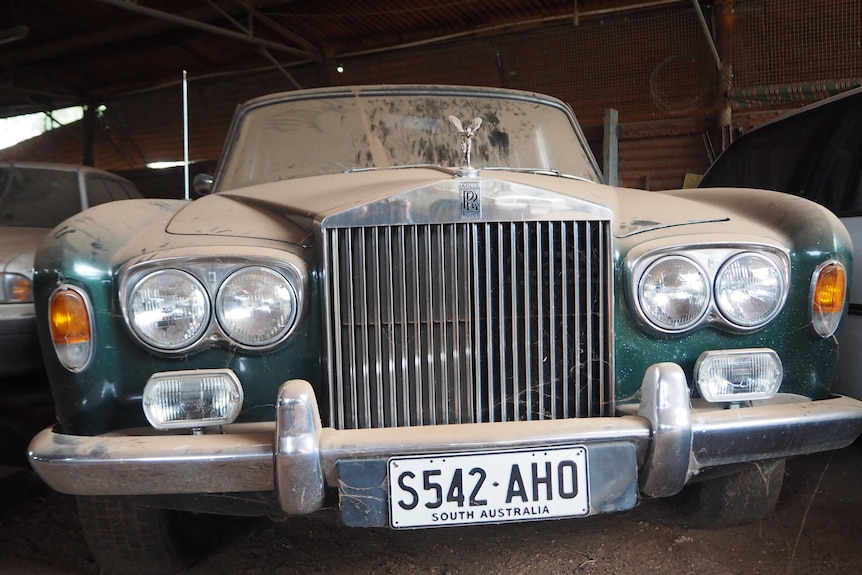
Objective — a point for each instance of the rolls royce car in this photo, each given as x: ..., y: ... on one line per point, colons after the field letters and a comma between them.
x: 35, y: 197
x: 814, y: 152
x: 421, y: 306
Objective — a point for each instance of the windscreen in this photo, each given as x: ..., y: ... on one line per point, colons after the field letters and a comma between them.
x: 355, y: 131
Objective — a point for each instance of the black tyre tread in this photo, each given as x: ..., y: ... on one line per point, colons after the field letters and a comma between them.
x: 736, y: 499
x: 131, y: 539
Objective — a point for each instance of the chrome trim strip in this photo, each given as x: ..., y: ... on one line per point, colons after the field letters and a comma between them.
x: 241, y: 459
x: 773, y: 431
x: 127, y: 464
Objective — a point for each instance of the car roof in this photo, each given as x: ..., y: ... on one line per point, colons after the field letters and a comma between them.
x: 58, y: 167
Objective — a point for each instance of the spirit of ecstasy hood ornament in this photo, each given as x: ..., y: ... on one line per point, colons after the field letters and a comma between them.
x: 467, y: 135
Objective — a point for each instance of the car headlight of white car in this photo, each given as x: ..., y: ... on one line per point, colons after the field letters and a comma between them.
x: 181, y: 305
x: 169, y: 309
x: 738, y: 288
x: 256, y: 306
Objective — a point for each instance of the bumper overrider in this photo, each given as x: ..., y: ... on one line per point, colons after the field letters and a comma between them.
x: 654, y: 448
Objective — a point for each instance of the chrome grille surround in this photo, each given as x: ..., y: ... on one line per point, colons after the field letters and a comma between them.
x: 461, y: 322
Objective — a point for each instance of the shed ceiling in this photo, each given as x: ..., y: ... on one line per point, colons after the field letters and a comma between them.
x: 55, y: 54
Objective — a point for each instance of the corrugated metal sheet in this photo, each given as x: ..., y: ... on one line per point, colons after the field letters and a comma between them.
x: 661, y: 163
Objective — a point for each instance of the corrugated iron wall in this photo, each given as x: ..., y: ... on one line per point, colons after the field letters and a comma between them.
x: 655, y: 66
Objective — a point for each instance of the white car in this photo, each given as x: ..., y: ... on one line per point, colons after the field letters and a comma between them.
x: 35, y: 197
x: 421, y: 304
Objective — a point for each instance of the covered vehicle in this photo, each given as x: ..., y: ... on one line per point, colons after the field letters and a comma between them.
x: 814, y: 152
x: 35, y: 197
x: 422, y: 306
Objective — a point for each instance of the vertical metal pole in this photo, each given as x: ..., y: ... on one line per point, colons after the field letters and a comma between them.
x: 703, y: 25
x: 88, y: 146
x: 186, y: 134
x: 724, y: 43
x: 611, y: 147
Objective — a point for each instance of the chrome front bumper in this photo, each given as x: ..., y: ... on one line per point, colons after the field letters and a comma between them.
x: 666, y: 438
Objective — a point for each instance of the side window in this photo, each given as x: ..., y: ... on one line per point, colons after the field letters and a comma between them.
x: 38, y: 198
x: 101, y: 190
x: 130, y: 190
x: 117, y: 190
x: 97, y: 191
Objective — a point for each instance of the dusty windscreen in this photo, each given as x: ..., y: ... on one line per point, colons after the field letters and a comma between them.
x: 301, y: 138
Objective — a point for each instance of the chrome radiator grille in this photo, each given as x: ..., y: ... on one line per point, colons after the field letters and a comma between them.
x: 456, y: 323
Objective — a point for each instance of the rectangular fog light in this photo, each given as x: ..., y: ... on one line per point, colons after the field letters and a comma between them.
x: 192, y: 399
x: 738, y: 374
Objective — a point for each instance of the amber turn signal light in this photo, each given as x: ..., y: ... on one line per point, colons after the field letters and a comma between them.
x: 828, y: 293
x: 71, y: 326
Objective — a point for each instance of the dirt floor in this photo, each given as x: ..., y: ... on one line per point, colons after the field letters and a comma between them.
x: 815, y: 530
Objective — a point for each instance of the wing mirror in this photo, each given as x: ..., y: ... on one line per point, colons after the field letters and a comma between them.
x: 203, y: 184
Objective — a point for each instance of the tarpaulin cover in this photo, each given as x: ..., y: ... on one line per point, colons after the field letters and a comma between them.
x: 814, y: 152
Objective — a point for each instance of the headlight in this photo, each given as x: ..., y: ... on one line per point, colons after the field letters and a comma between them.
x: 189, y: 302
x: 737, y: 375
x: 168, y: 309
x: 190, y: 399
x: 256, y: 306
x: 749, y: 289
x: 674, y: 293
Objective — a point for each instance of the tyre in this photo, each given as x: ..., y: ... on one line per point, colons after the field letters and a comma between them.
x: 13, y: 446
x: 734, y: 499
x: 131, y: 539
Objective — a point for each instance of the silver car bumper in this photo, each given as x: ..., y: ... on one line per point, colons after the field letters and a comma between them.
x: 656, y: 448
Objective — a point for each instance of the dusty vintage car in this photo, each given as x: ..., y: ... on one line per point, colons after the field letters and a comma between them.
x: 814, y: 152
x: 35, y: 197
x: 422, y: 306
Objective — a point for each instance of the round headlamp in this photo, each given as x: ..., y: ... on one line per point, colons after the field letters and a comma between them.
x: 168, y: 309
x: 256, y: 306
x: 749, y: 289
x: 674, y: 293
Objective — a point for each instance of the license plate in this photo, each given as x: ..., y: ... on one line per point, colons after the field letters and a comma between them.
x: 496, y: 487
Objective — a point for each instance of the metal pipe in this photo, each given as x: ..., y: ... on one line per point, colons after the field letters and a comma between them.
x: 186, y: 133
x: 128, y: 5
x: 706, y: 32
x: 532, y: 22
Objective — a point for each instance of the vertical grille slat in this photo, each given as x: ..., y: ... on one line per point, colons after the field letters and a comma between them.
x: 474, y: 322
x: 541, y: 327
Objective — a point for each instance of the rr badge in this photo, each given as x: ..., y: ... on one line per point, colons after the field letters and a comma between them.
x: 471, y: 200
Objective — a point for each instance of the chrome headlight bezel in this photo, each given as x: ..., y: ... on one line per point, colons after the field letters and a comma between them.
x: 713, y: 259
x: 211, y: 272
